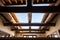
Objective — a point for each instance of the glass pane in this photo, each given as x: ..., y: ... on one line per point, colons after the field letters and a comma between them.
x: 25, y: 27
x: 37, y: 17
x: 34, y: 36
x: 34, y: 27
x: 24, y: 31
x: 34, y: 31
x: 24, y: 36
x: 30, y: 36
x: 3, y: 36
x: 40, y: 5
x: 56, y: 36
x: 22, y: 17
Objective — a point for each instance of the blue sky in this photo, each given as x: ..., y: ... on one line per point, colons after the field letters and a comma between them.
x: 36, y: 17
x: 41, y: 5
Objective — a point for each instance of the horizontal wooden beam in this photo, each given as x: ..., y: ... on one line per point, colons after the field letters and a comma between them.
x: 22, y: 38
x: 29, y: 30
x: 33, y: 9
x: 29, y: 24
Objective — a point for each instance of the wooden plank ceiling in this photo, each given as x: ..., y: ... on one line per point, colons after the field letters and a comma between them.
x: 22, y: 2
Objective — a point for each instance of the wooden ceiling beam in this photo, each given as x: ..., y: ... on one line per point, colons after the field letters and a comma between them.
x: 10, y: 1
x: 3, y: 1
x: 21, y: 1
x: 29, y: 24
x: 30, y: 32
x: 16, y: 1
x: 30, y: 29
x: 33, y: 9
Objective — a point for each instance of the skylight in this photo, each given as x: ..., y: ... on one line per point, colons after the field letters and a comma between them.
x: 40, y: 5
x: 56, y: 36
x: 29, y: 36
x: 22, y: 17
x: 37, y: 17
x: 25, y: 27
x: 34, y: 27
x: 19, y: 5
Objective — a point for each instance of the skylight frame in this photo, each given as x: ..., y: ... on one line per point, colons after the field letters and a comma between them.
x: 41, y: 4
x: 17, y: 5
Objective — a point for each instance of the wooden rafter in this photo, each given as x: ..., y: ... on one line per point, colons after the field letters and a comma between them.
x: 9, y: 1
x: 29, y: 24
x: 37, y: 1
x: 15, y: 1
x: 30, y: 29
x: 31, y: 32
x: 3, y: 1
x: 21, y: 1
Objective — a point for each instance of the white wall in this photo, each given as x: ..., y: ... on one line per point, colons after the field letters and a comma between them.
x: 54, y: 28
x: 6, y: 29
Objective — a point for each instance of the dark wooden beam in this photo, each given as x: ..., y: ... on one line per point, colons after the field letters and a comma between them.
x: 22, y: 38
x: 29, y: 3
x: 3, y: 1
x: 59, y: 31
x: 29, y: 17
x: 30, y: 29
x: 31, y: 32
x: 33, y: 9
x: 5, y: 18
x: 29, y: 24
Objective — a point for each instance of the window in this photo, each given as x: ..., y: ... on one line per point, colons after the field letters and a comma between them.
x: 40, y: 5
x: 34, y: 27
x: 23, y: 4
x: 56, y: 36
x: 36, y: 17
x: 25, y: 36
x: 25, y: 27
x: 24, y: 31
x: 34, y: 31
x: 2, y: 36
x: 29, y: 36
